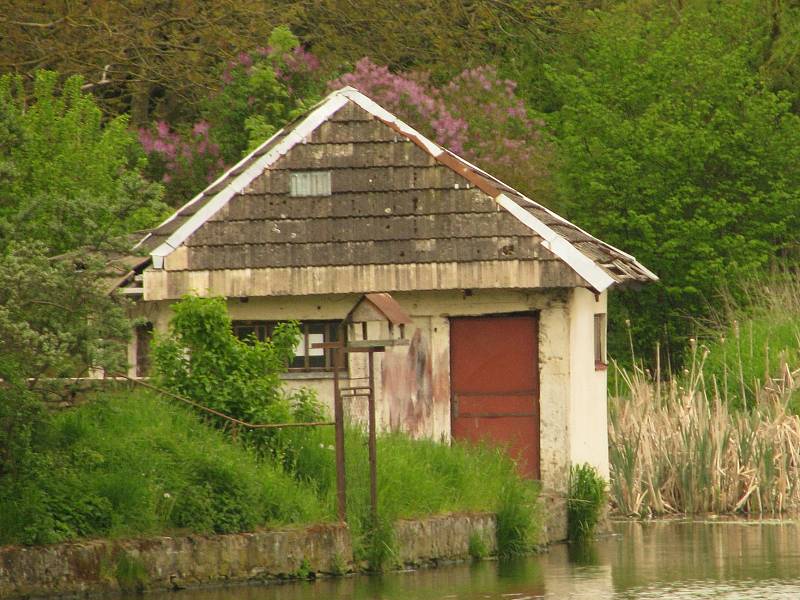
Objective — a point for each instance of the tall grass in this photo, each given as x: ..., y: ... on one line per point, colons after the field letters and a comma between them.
x: 136, y: 464
x: 722, y: 435
x: 752, y: 336
x: 419, y: 478
x: 680, y: 445
x: 587, y: 500
x: 133, y: 464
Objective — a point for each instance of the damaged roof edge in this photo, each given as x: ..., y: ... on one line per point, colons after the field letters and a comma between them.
x: 595, y: 276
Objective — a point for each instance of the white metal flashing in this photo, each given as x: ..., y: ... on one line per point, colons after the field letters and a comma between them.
x: 377, y: 110
x: 579, y: 262
x: 644, y: 269
x: 203, y: 193
x: 622, y: 253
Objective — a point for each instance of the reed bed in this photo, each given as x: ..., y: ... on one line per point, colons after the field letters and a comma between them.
x: 680, y: 445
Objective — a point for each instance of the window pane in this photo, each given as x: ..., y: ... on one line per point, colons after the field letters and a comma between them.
x: 310, y: 183
x: 306, y: 357
x: 243, y: 331
x: 600, y: 338
x: 144, y: 335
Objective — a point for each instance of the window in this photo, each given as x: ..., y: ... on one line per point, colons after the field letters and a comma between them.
x: 306, y: 357
x: 310, y: 183
x: 600, y: 359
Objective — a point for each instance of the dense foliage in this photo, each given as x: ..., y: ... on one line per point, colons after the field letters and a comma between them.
x: 260, y: 91
x: 674, y: 149
x: 670, y: 126
x: 70, y: 185
x: 67, y: 178
x: 477, y: 115
x: 201, y: 359
x: 56, y: 320
x: 132, y: 464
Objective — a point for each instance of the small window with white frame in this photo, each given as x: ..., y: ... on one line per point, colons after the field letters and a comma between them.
x: 600, y: 350
x: 310, y: 183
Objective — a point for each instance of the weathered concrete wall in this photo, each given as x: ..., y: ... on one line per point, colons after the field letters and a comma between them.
x: 106, y: 566
x: 101, y: 566
x: 443, y: 538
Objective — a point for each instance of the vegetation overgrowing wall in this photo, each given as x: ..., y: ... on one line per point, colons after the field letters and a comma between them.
x: 103, y: 566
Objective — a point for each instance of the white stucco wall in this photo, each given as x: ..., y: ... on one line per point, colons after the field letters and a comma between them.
x: 588, y: 420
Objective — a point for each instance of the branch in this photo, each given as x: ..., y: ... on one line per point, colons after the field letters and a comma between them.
x: 32, y: 24
x: 53, y: 304
x: 103, y: 79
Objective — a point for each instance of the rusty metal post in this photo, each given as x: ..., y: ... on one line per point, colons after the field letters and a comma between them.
x: 373, y: 449
x: 338, y: 415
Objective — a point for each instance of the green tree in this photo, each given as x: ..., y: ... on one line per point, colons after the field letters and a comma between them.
x: 56, y: 321
x: 261, y: 91
x: 674, y: 149
x: 67, y: 178
x: 152, y: 60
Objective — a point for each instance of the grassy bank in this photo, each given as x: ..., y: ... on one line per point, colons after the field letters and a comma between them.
x: 751, y: 343
x: 135, y: 464
x: 418, y: 478
x: 130, y: 464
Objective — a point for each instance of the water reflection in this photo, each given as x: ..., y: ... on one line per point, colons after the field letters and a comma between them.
x: 677, y: 559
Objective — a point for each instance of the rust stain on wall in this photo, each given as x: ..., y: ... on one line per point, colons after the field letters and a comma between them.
x: 407, y: 375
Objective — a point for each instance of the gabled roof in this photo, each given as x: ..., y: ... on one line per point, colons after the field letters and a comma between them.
x: 597, y: 263
x: 380, y: 304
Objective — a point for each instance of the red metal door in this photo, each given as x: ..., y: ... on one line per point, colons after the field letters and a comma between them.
x: 494, y: 381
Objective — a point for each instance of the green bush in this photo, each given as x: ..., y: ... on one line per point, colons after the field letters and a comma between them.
x: 517, y: 523
x: 201, y: 358
x: 587, y: 499
x: 747, y: 342
x: 136, y: 464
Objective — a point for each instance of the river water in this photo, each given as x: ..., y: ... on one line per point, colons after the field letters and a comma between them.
x: 664, y: 560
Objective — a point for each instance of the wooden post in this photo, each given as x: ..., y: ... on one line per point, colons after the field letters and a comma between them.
x: 373, y: 449
x: 338, y: 415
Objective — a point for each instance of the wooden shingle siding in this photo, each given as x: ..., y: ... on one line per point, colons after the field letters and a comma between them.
x: 379, y: 179
x: 354, y: 229
x: 362, y: 204
x: 391, y: 203
x: 355, y: 156
x: 344, y: 132
x: 367, y: 253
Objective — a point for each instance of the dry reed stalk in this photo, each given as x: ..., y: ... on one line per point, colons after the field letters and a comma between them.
x: 677, y: 447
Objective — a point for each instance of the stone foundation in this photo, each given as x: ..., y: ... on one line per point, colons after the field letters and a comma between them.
x: 444, y: 538
x: 103, y: 566
x: 108, y: 566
